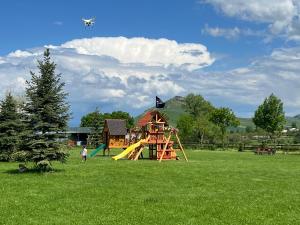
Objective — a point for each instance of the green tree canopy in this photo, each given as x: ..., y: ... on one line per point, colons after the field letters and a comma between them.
x: 47, y: 113
x: 11, y: 127
x: 195, y: 125
x: 197, y: 106
x: 96, y: 119
x: 269, y: 116
x: 224, y: 118
x: 185, y: 124
x: 123, y: 115
x: 204, y: 128
x: 294, y: 125
x: 249, y: 129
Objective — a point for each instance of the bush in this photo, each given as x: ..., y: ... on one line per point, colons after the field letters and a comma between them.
x: 44, y: 166
x: 20, y: 156
x: 241, y: 147
x: 4, y: 158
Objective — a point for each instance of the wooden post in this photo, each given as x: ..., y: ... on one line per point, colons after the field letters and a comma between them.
x: 130, y: 154
x: 165, y: 147
x: 181, y: 148
x: 138, y: 153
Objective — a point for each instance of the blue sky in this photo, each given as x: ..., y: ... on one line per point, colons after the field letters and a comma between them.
x: 37, y: 23
x: 246, y: 50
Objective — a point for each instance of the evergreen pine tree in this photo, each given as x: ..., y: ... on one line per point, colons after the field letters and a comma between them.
x: 11, y: 127
x: 47, y: 115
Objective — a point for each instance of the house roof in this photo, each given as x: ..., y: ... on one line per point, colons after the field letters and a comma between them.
x: 150, y: 117
x: 116, y: 126
x: 79, y: 130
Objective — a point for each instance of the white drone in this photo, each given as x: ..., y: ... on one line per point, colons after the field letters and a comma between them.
x: 88, y: 22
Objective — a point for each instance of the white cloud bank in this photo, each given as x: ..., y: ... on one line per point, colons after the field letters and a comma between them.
x: 282, y: 16
x: 111, y: 70
x: 130, y: 79
x: 276, y: 73
x: 150, y: 52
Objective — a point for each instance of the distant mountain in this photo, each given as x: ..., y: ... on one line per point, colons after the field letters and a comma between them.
x: 289, y: 121
x: 174, y: 108
x: 297, y: 116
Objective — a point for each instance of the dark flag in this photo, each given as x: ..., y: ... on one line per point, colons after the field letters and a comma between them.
x: 159, y: 103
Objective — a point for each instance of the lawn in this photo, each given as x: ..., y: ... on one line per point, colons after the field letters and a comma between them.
x: 212, y: 188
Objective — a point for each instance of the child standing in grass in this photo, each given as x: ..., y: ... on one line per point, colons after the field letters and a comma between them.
x: 84, y: 153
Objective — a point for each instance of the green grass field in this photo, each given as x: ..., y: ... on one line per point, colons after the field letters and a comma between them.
x: 212, y: 188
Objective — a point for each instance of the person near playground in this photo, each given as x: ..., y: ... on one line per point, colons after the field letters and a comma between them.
x: 84, y: 153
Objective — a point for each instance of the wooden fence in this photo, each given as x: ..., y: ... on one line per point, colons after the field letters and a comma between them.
x: 242, y: 147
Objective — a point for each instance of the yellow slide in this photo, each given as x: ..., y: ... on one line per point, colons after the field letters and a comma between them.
x: 129, y: 149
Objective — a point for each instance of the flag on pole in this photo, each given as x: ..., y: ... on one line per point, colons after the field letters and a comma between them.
x: 159, y: 103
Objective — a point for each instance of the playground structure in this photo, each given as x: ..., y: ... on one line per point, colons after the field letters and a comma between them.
x: 153, y: 129
x: 114, y: 134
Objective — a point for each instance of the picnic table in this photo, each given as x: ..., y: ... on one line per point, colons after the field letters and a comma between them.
x: 266, y: 150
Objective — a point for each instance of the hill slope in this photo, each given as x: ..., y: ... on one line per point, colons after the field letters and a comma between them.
x: 173, y: 109
x: 289, y: 120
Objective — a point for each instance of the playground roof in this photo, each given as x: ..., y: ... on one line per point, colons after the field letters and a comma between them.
x: 116, y: 126
x: 149, y: 117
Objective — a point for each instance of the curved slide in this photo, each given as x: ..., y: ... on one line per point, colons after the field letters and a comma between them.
x: 128, y: 150
x: 94, y: 152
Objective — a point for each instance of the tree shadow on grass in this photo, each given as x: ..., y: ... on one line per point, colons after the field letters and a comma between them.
x: 33, y: 171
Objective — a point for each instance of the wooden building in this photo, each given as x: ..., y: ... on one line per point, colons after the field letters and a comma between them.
x: 78, y: 135
x: 114, y: 133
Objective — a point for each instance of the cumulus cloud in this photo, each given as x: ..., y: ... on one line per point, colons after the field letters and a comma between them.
x: 19, y: 53
x: 150, y: 52
x: 276, y: 73
x: 231, y: 33
x: 282, y: 16
x: 101, y: 77
x: 115, y: 72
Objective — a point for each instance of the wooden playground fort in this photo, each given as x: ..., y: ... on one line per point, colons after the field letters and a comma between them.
x: 155, y: 133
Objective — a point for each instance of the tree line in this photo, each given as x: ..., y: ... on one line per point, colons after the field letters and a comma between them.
x: 203, y: 123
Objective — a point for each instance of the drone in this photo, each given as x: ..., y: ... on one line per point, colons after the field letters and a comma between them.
x: 88, y: 22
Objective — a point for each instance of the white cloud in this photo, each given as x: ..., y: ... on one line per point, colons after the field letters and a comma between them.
x: 231, y: 33
x: 118, y: 72
x: 276, y: 73
x: 19, y: 54
x: 151, y: 52
x: 94, y: 79
x: 58, y: 23
x: 282, y: 16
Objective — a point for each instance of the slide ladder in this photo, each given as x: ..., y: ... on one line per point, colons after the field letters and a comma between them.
x: 99, y: 148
